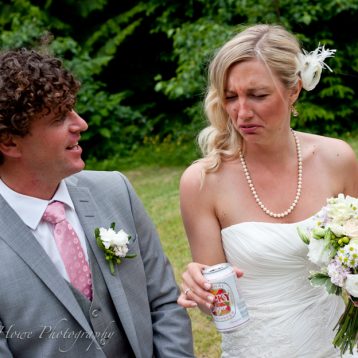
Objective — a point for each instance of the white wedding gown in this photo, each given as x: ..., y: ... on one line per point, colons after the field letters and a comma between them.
x: 288, y: 317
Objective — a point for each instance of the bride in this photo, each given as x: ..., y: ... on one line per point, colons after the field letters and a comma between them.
x: 257, y: 182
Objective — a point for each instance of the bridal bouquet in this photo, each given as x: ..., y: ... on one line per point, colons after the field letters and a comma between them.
x: 333, y: 246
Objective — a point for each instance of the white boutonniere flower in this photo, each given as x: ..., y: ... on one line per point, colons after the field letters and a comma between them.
x: 114, y: 244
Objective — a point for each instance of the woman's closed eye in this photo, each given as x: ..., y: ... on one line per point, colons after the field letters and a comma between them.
x: 230, y: 96
x: 259, y: 96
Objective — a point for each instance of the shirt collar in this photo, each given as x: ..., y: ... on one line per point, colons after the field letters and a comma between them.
x: 31, y: 209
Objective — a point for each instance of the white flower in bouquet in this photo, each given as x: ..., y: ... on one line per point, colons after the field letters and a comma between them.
x: 348, y: 255
x: 350, y: 228
x: 351, y: 285
x: 337, y: 229
x: 318, y: 253
x: 342, y: 209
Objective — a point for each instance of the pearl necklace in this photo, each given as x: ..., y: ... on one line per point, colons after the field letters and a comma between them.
x: 299, y: 183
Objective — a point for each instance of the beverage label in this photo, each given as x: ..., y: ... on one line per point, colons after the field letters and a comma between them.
x: 224, y: 307
x: 229, y: 310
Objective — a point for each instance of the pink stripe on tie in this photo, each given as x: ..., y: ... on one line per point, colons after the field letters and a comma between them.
x: 70, y: 248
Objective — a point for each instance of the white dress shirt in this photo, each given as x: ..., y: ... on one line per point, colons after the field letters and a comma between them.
x: 31, y: 210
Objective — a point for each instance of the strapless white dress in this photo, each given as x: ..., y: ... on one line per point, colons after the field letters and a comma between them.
x: 288, y: 317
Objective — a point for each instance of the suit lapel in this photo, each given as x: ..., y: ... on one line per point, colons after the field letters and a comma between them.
x: 21, y: 240
x: 91, y: 217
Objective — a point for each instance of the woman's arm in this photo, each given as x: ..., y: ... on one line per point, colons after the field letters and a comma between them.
x: 197, y: 203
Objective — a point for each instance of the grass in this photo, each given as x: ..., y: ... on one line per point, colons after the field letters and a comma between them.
x: 158, y: 189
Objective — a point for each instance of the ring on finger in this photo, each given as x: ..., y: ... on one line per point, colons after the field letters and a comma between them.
x: 186, y: 291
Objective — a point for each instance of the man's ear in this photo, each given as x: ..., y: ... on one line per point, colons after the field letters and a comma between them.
x: 9, y: 146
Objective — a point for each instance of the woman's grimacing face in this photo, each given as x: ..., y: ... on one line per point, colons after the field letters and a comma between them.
x: 256, y: 100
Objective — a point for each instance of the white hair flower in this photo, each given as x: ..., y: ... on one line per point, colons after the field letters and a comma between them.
x: 310, y: 64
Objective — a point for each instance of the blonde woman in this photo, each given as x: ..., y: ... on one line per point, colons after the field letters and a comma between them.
x: 259, y: 179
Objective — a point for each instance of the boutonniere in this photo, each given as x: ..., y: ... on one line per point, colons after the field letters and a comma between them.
x: 114, y: 244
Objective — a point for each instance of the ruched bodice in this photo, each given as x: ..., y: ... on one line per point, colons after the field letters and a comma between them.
x: 288, y: 317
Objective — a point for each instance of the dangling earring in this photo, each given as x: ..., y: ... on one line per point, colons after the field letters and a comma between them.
x: 294, y: 111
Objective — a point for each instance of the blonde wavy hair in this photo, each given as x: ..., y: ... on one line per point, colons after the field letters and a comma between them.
x: 273, y: 45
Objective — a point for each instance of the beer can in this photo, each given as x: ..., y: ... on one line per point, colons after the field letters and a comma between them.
x: 229, y: 309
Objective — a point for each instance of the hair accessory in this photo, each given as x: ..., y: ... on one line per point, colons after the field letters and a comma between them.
x: 310, y: 66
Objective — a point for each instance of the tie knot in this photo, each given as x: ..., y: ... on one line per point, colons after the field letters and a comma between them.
x: 55, y: 212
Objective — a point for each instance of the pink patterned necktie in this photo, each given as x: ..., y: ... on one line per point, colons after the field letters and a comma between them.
x: 70, y: 248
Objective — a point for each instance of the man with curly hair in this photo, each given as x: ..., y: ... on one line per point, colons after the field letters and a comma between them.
x: 59, y: 298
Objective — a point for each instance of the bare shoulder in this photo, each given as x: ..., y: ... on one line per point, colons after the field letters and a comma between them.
x: 333, y: 160
x: 193, y: 176
x: 200, y: 187
x: 329, y: 149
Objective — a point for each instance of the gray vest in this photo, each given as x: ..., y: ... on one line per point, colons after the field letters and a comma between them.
x: 102, y: 315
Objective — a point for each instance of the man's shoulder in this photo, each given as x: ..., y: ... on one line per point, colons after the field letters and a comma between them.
x: 97, y: 176
x: 99, y: 180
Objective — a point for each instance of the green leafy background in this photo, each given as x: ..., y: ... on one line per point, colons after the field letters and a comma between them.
x: 143, y: 64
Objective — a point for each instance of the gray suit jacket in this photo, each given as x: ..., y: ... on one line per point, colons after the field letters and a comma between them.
x: 39, y: 315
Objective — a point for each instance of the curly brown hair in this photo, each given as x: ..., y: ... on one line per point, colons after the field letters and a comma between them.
x: 32, y: 84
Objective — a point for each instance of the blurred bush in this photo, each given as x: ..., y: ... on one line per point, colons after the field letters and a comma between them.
x: 143, y: 64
